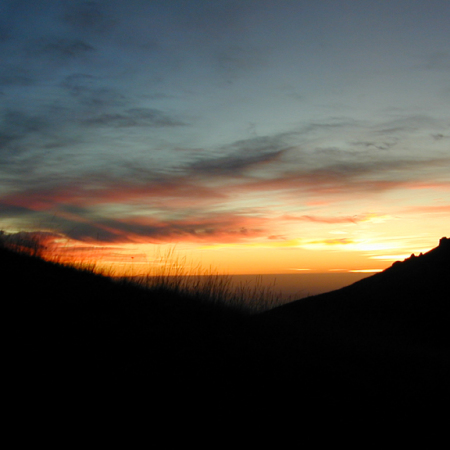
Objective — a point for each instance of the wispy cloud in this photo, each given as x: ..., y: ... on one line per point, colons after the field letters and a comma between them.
x: 89, y: 16
x: 352, y: 177
x: 329, y: 219
x: 135, y: 117
x: 92, y: 92
x: 233, y: 165
x: 59, y: 48
x: 333, y: 242
x: 429, y: 209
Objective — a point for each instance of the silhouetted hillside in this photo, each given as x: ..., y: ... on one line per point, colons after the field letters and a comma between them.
x: 379, y: 343
x: 385, y: 336
x: 409, y: 299
x: 75, y: 322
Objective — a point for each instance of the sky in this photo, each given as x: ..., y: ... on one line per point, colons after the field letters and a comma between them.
x: 252, y: 136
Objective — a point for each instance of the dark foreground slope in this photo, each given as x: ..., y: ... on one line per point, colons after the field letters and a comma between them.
x: 72, y: 328
x: 380, y: 344
x: 385, y: 338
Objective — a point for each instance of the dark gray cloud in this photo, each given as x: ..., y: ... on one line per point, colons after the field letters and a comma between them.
x: 330, y: 124
x: 356, y: 177
x: 5, y: 140
x: 378, y: 145
x: 15, y: 75
x: 90, y: 91
x: 271, y: 143
x: 198, y: 229
x: 234, y: 61
x: 135, y: 117
x: 213, y: 19
x: 406, y: 123
x: 18, y: 123
x: 59, y: 48
x: 242, y: 155
x: 8, y: 210
x: 233, y: 165
x: 392, y: 168
x: 15, y: 125
x: 438, y: 136
x: 89, y: 16
x: 82, y: 224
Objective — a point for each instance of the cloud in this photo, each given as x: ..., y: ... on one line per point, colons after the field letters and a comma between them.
x: 135, y: 117
x: 429, y: 209
x: 87, y: 89
x: 235, y: 60
x: 17, y: 123
x: 269, y: 143
x: 438, y: 136
x: 14, y: 210
x: 14, y: 126
x: 241, y: 156
x: 276, y: 237
x: 60, y: 48
x: 233, y: 165
x: 322, y: 219
x: 175, y: 191
x: 352, y: 177
x: 406, y: 123
x: 330, y: 124
x: 205, y: 184
x: 164, y: 191
x: 333, y: 242
x: 359, y: 218
x: 88, y: 16
x: 379, y: 145
x: 74, y: 211
x: 211, y: 229
x: 15, y: 75
x: 44, y: 198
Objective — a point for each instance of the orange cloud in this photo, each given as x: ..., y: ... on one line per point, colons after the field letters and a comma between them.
x: 433, y: 209
x: 321, y: 219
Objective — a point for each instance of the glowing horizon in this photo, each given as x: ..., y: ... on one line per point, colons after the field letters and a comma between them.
x: 231, y: 259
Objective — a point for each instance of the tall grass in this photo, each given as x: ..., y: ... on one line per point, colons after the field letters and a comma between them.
x: 167, y: 273
x: 172, y: 273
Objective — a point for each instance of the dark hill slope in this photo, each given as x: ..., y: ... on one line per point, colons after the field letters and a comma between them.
x: 71, y: 332
x: 385, y: 336
x: 378, y: 344
x: 410, y: 298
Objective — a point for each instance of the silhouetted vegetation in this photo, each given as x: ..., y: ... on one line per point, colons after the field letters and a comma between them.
x: 170, y: 277
x: 379, y: 344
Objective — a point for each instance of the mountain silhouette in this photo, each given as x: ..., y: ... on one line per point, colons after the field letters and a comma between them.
x: 384, y: 338
x: 409, y: 300
x: 380, y: 343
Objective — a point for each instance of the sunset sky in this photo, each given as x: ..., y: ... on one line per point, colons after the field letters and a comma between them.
x: 258, y: 136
